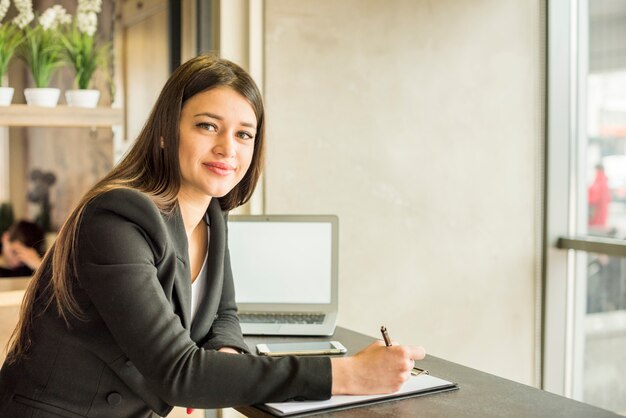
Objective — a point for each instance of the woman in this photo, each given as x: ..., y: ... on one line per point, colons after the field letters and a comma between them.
x: 107, y: 327
x: 22, y: 247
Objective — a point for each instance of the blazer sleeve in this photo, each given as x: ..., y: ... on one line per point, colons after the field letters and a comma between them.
x: 226, y: 331
x: 121, y: 242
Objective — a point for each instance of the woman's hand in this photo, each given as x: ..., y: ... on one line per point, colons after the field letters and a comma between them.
x: 374, y: 370
x: 27, y: 255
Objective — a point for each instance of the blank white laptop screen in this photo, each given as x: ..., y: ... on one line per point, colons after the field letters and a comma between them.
x: 281, y: 262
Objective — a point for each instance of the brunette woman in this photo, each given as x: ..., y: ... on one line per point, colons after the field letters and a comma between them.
x: 107, y: 327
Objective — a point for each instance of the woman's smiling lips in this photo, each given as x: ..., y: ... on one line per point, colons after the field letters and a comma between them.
x: 221, y: 169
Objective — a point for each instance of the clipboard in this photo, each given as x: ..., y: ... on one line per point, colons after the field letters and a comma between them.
x: 415, y: 386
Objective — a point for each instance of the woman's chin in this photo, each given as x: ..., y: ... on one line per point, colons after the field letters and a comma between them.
x: 218, y: 192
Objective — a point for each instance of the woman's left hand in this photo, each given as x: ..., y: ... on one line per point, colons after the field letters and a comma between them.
x: 27, y: 255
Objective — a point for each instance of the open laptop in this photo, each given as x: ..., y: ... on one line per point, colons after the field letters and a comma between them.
x: 285, y: 269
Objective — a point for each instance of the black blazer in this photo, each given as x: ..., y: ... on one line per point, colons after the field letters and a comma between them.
x: 137, y: 351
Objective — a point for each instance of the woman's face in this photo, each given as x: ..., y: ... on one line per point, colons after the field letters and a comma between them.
x: 9, y: 253
x: 217, y: 134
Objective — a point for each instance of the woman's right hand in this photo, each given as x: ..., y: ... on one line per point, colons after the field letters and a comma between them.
x: 374, y: 370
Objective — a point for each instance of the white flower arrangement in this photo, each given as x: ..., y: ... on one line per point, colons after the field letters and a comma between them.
x: 87, y: 16
x: 4, y: 7
x: 10, y: 38
x: 81, y: 49
x: 42, y: 43
x: 85, y: 6
x: 25, y: 13
x: 87, y: 23
x: 42, y: 48
x: 53, y: 17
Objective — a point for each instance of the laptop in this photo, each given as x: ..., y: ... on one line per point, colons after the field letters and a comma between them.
x: 285, y: 269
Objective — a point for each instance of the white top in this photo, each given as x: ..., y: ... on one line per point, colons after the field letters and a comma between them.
x: 198, y: 287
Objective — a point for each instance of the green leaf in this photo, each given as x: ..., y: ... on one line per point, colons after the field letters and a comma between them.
x: 42, y: 53
x: 83, y: 54
x: 10, y: 39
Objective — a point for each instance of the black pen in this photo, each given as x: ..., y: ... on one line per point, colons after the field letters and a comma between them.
x: 416, y: 370
x: 383, y: 331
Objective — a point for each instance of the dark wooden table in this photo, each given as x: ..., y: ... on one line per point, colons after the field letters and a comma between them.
x: 480, y: 394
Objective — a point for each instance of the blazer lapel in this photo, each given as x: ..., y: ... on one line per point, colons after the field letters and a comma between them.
x: 182, y: 275
x: 214, y: 273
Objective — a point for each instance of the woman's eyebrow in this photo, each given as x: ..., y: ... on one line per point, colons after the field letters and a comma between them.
x: 214, y: 116
x: 211, y: 115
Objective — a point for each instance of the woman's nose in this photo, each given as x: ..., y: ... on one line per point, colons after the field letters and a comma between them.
x: 225, y: 145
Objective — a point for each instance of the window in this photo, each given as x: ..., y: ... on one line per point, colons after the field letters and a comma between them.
x: 585, y: 315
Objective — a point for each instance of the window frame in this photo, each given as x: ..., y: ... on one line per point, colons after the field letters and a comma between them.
x: 565, y: 267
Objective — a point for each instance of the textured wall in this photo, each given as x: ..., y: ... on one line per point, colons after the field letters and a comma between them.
x: 418, y: 123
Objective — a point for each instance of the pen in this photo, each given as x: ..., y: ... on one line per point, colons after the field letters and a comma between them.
x: 416, y: 370
x: 383, y: 330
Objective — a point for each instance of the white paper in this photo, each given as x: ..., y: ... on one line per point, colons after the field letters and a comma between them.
x: 415, y: 384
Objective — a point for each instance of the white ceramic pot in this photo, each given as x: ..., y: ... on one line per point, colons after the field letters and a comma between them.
x: 6, y: 95
x: 46, y: 96
x: 82, y: 98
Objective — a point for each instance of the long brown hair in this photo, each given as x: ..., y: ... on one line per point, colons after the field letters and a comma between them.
x: 149, y: 169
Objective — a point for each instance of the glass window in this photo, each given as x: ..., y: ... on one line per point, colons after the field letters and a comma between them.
x: 604, y: 353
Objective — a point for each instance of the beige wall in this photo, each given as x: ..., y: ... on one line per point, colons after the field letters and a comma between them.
x: 418, y: 123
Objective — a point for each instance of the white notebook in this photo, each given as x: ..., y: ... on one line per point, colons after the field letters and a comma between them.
x: 414, y: 386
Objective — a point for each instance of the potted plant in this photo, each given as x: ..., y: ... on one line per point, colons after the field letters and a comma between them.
x: 83, y: 53
x: 42, y: 52
x: 6, y: 216
x: 10, y: 38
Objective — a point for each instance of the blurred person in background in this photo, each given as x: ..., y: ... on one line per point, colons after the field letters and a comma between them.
x: 23, y: 245
x: 599, y: 198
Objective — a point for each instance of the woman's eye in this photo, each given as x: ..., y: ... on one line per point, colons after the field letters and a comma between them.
x: 245, y: 135
x: 207, y: 126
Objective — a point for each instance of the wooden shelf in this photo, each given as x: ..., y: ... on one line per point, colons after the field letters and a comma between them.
x: 25, y: 115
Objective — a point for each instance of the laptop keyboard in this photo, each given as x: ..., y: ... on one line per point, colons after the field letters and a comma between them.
x: 281, y: 318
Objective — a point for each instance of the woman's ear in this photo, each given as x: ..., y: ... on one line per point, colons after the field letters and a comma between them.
x: 162, y: 143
